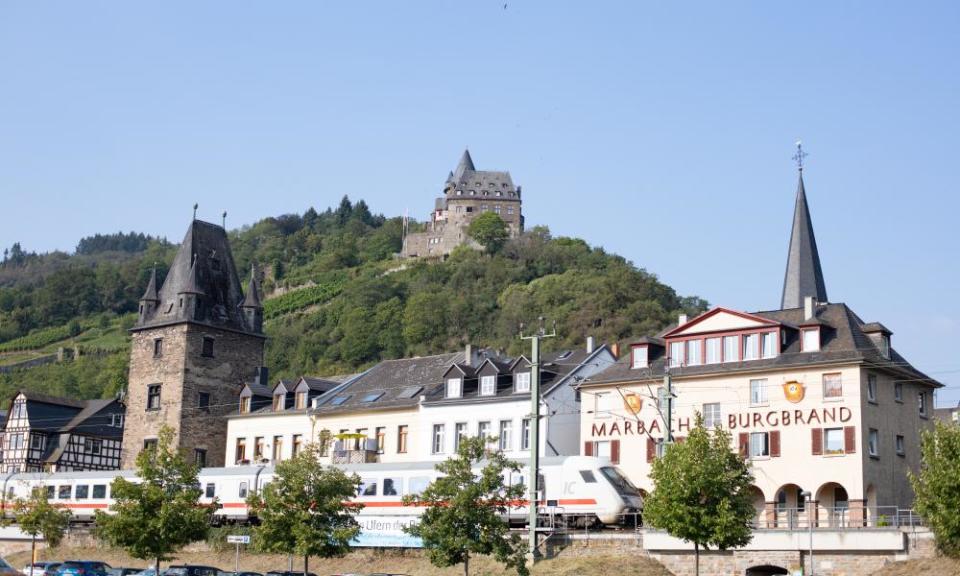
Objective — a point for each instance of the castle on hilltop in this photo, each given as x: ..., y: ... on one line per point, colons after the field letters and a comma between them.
x: 467, y: 193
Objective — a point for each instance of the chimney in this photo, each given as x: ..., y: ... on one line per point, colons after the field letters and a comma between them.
x: 681, y: 320
x: 808, y: 306
x: 615, y: 349
x: 468, y: 355
x: 589, y: 344
x: 262, y: 376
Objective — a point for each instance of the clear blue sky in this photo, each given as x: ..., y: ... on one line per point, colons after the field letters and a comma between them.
x: 658, y: 131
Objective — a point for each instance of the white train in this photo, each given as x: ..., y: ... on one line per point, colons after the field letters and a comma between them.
x: 582, y: 489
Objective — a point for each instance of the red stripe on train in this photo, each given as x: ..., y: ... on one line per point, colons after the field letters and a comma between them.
x: 396, y: 504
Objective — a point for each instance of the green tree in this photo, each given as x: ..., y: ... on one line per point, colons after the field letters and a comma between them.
x: 702, y: 492
x: 490, y: 231
x: 37, y: 516
x: 158, y: 515
x: 303, y: 511
x: 937, y: 486
x: 465, y: 511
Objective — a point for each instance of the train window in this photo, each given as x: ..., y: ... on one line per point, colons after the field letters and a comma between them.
x: 211, y: 489
x: 63, y: 492
x: 588, y: 476
x: 50, y: 492
x: 417, y: 484
x: 368, y: 487
x: 243, y: 490
x: 391, y: 486
x: 83, y: 492
x: 99, y: 490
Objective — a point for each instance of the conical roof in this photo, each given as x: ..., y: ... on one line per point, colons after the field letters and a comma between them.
x: 465, y: 165
x: 252, y: 298
x: 150, y: 295
x: 803, y: 276
x: 192, y: 285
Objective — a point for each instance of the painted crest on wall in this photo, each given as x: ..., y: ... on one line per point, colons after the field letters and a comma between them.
x: 632, y: 402
x: 793, y: 391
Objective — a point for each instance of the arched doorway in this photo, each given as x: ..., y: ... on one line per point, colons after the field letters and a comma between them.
x: 759, y: 506
x: 765, y: 570
x: 790, y: 506
x: 833, y: 505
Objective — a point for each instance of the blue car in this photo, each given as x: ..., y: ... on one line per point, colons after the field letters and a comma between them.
x: 84, y: 568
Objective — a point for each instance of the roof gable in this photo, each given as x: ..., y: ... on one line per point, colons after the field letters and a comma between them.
x: 720, y: 320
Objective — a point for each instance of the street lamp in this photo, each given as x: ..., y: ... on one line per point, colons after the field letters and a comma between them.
x: 808, y: 498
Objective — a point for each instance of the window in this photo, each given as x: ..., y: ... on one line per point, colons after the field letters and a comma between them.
x: 769, y: 341
x: 277, y: 448
x: 297, y: 444
x: 36, y: 441
x: 278, y: 401
x: 676, y: 353
x: 19, y: 411
x: 713, y: 350
x: 832, y: 386
x: 525, y: 434
x: 211, y: 490
x: 437, y: 445
x: 522, y: 380
x: 872, y: 388
x: 922, y: 403
x: 368, y: 487
x: 381, y: 435
x: 99, y: 490
x: 711, y: 415
x: 203, y: 401
x: 453, y: 388
x: 509, y: 210
x: 601, y: 449
x: 51, y: 490
x: 483, y: 429
x: 811, y: 340
x: 150, y: 444
x: 83, y: 492
x: 506, y: 434
x: 873, y: 442
x: 750, y: 343
x: 488, y: 385
x: 116, y: 420
x: 157, y: 347
x: 833, y: 441
x: 640, y: 356
x: 459, y: 433
x: 391, y: 486
x: 900, y: 450
x: 588, y: 477
x: 64, y: 492
x: 759, y: 444
x: 242, y: 492
x: 898, y: 392
x: 758, y: 392
x: 153, y: 397
x: 93, y: 445
x: 241, y: 451
x: 694, y: 348
x: 301, y: 401
x: 885, y: 345
x: 207, y: 350
x: 602, y: 402
x: 258, y: 448
x: 402, y: 439
x: 417, y: 484
x: 245, y: 405
x: 731, y: 349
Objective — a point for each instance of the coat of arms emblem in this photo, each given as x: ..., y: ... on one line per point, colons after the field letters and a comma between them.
x: 633, y: 402
x: 793, y: 391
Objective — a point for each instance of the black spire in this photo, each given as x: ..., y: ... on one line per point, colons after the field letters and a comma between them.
x: 251, y: 299
x: 150, y: 295
x: 803, y: 277
x: 465, y: 165
x: 192, y: 285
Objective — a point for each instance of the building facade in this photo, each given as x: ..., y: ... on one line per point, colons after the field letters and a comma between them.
x: 467, y: 193
x: 817, y: 399
x: 197, y: 340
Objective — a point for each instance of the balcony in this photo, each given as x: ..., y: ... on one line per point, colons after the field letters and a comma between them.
x: 354, y: 449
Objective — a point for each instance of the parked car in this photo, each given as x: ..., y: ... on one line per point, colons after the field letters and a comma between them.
x: 41, y: 569
x: 240, y: 574
x: 125, y: 571
x: 146, y: 572
x: 192, y: 570
x: 7, y: 570
x: 84, y: 568
x: 288, y: 573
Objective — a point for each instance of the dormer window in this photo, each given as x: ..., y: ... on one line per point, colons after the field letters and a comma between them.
x: 488, y: 385
x: 245, y: 405
x: 769, y: 344
x: 676, y: 354
x: 278, y: 403
x: 521, y: 382
x: 751, y: 344
x: 301, y: 400
x: 640, y: 357
x: 885, y: 346
x: 694, y: 348
x: 810, y: 340
x: 453, y: 388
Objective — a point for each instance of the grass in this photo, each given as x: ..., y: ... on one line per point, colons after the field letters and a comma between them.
x: 13, y: 357
x: 937, y: 566
x: 366, y: 561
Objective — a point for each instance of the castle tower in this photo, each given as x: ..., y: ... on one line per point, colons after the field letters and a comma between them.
x: 196, y: 340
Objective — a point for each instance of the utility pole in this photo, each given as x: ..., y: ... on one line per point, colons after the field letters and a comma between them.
x: 534, y: 474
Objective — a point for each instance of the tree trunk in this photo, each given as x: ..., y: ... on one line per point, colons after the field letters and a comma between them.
x: 33, y: 551
x: 306, y: 565
x: 156, y: 566
x: 466, y: 565
x: 696, y: 558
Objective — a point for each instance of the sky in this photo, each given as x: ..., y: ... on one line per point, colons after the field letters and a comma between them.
x: 660, y: 131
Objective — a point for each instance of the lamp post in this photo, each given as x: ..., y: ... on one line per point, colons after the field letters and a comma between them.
x: 808, y: 498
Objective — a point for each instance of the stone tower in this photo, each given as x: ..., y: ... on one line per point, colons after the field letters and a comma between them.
x: 196, y: 340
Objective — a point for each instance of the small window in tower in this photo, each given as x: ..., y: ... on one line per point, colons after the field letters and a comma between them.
x: 153, y: 397
x: 469, y: 208
x: 203, y: 401
x: 157, y: 347
x: 207, y: 351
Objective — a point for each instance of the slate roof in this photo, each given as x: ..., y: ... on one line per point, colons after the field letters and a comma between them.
x: 258, y: 390
x: 803, y: 276
x: 53, y: 414
x: 467, y: 178
x: 203, y: 266
x: 842, y: 340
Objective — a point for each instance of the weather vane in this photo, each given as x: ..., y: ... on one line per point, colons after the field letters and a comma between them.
x: 224, y: 219
x: 800, y: 155
x: 195, y: 206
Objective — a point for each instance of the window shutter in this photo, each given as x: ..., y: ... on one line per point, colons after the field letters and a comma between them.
x: 588, y: 448
x: 615, y: 451
x: 651, y: 449
x: 816, y: 440
x: 774, y: 443
x: 744, y: 444
x: 850, y: 440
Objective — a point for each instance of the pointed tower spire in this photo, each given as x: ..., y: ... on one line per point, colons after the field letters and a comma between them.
x: 803, y: 277
x: 150, y: 295
x: 252, y: 299
x: 465, y: 164
x: 193, y: 285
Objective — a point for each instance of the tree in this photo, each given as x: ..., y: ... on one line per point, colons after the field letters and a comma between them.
x: 702, y: 492
x: 37, y: 516
x: 159, y: 514
x: 490, y: 231
x: 937, y: 486
x: 303, y: 511
x: 465, y: 512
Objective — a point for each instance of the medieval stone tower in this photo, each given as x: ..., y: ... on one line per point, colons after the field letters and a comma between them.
x: 195, y: 342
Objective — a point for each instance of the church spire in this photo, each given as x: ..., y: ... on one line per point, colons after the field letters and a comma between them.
x: 803, y: 277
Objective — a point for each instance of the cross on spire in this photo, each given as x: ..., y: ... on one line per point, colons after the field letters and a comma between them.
x: 799, y: 156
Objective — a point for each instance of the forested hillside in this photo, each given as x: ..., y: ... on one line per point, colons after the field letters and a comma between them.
x: 337, y: 298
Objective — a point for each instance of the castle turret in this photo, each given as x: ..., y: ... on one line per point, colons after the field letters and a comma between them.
x: 251, y: 306
x: 150, y: 299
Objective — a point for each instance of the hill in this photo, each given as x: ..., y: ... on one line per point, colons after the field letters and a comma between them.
x: 337, y: 298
